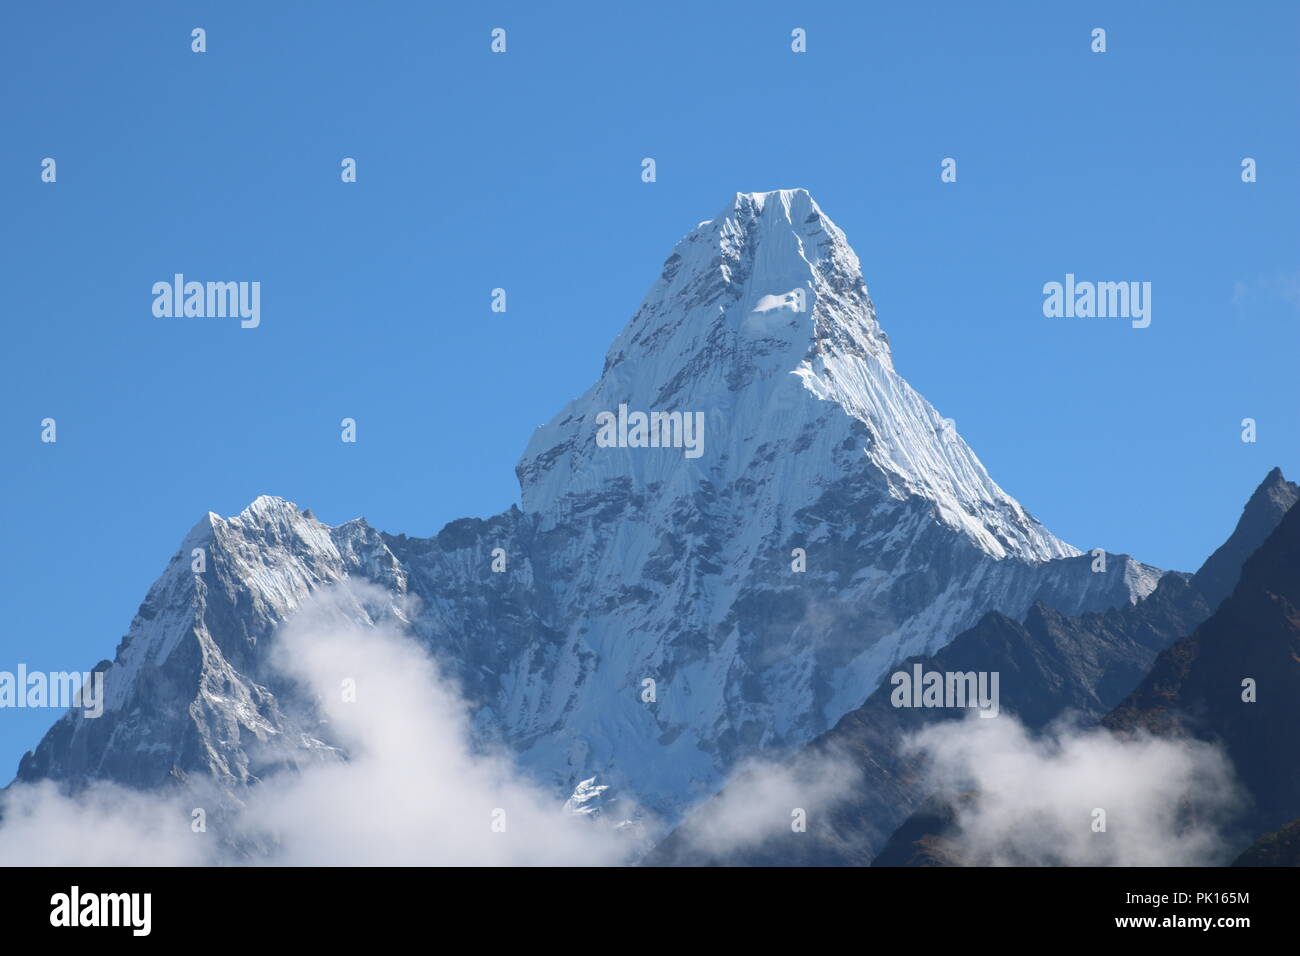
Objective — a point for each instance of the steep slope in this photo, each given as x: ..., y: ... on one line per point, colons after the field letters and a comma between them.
x: 631, y: 562
x: 1048, y: 664
x: 1161, y: 703
x: 189, y: 689
x: 1280, y: 848
x: 1199, y: 685
x: 1272, y: 499
x: 922, y: 839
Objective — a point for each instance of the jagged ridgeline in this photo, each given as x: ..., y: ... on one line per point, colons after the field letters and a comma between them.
x: 794, y: 521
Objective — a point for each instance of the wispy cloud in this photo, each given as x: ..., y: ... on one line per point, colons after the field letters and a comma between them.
x: 413, y: 790
x: 1277, y: 287
x: 764, y: 798
x: 1034, y: 800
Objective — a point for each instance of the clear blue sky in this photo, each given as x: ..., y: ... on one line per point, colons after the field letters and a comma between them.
x: 522, y: 171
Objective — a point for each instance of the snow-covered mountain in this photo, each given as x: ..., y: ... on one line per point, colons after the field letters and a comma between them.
x: 629, y: 564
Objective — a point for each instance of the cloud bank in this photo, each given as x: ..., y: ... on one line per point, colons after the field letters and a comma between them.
x: 762, y: 799
x: 1034, y: 801
x: 403, y: 782
x: 413, y: 789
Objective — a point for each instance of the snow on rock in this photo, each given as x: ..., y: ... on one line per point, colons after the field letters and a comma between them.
x: 651, y: 629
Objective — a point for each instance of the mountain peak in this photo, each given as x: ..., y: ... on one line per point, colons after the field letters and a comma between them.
x: 784, y: 195
x: 1262, y: 513
x: 1196, y: 685
x: 802, y: 520
x: 266, y: 505
x: 777, y: 251
x: 1273, y: 491
x: 761, y: 323
x: 794, y: 205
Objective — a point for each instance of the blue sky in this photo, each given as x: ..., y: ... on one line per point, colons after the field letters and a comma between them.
x: 522, y: 171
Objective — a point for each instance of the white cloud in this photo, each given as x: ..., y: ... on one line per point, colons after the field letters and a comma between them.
x: 1279, y: 286
x: 104, y: 826
x: 1031, y: 799
x: 761, y: 798
x: 414, y: 791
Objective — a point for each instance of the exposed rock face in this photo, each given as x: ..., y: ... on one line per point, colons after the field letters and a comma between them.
x: 1221, y: 571
x: 1281, y: 848
x: 1236, y: 681
x: 1049, y: 664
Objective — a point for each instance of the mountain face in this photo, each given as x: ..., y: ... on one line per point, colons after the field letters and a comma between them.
x: 923, y: 838
x: 1199, y: 686
x: 1049, y: 663
x: 794, y: 519
x: 1218, y: 577
x: 1281, y: 848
